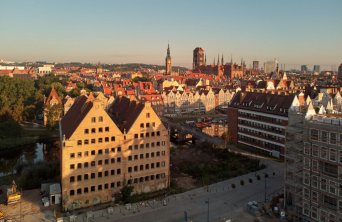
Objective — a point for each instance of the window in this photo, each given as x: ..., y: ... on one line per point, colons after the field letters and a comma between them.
x: 106, y: 186
x: 129, y: 169
x: 86, y: 141
x: 141, y: 146
x: 72, y: 179
x: 152, y: 154
x: 314, y: 134
x: 106, y: 139
x: 85, y: 190
x: 72, y: 192
x: 112, y: 138
x: 332, y: 155
x: 152, y: 134
x: 79, y: 154
x: 99, y: 187
x: 100, y: 152
x: 324, y: 137
x: 86, y: 176
x: 333, y: 138
x: 106, y: 162
x: 141, y: 156
x: 112, y: 172
x: 118, y: 184
x: 129, y: 147
x: 106, y: 173
x: 141, y: 135
x: 72, y: 166
x: 141, y: 167
x: 106, y: 129
x: 99, y: 162
x: 119, y: 149
x: 147, y: 115
x: 141, y: 125
x: 112, y: 185
x: 118, y: 171
x: 112, y: 160
x: 100, y: 119
x: 147, y: 166
x: 153, y: 124
x: 147, y: 135
x: 86, y: 153
x: 330, y: 201
x: 118, y: 160
x: 93, y: 130
x: 324, y: 153
x: 93, y: 119
x: 106, y: 151
x: 129, y: 158
x: 92, y: 163
x: 315, y: 150
x: 135, y: 157
x: 100, y: 140
x: 92, y: 188
x: 72, y: 155
x: 79, y: 142
x: 158, y: 133
x: 147, y: 125
x: 79, y: 178
x: 93, y: 152
x: 99, y: 174
x: 79, y: 165
x: 307, y: 148
x: 86, y: 131
x: 147, y: 155
x: 136, y: 147
x: 92, y: 141
x: 100, y: 130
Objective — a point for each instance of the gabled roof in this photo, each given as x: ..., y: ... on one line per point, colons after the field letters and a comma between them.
x: 75, y: 115
x: 53, y: 94
x: 124, y: 112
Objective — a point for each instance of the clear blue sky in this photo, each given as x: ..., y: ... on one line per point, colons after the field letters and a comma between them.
x: 294, y: 31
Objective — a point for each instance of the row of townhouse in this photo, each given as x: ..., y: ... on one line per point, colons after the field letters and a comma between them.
x: 203, y: 100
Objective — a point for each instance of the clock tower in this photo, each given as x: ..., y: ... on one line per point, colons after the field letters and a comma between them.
x: 168, y: 62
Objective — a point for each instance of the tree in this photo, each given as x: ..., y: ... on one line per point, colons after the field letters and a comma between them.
x: 126, y: 194
x: 53, y: 114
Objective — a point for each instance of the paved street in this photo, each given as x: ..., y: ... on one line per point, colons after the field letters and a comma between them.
x: 224, y: 201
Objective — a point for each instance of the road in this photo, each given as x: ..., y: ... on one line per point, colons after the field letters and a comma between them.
x: 224, y: 201
x: 197, y: 133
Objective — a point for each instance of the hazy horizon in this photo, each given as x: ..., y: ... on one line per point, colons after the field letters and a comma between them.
x: 119, y: 32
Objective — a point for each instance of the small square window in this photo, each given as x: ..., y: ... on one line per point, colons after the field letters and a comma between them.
x: 100, y: 119
x: 93, y: 119
x: 106, y: 129
x: 72, y: 155
x: 86, y: 131
x: 147, y: 115
x: 100, y: 130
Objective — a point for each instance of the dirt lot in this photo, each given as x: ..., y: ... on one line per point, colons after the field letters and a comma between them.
x: 194, y: 166
x: 30, y: 208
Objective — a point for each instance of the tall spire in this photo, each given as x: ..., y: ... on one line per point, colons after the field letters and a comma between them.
x: 218, y: 59
x: 214, y: 61
x: 222, y: 59
x: 205, y: 59
x: 231, y: 59
x: 168, y: 50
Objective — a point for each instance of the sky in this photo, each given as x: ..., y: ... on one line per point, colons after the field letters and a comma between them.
x: 138, y: 31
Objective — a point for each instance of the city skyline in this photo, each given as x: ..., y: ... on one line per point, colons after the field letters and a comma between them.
x: 294, y: 32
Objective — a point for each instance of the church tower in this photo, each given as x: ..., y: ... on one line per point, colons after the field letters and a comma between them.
x: 168, y: 63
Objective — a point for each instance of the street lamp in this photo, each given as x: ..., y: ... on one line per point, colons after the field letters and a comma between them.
x: 207, y: 202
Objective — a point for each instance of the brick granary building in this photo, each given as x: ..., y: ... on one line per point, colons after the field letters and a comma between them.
x: 101, y: 152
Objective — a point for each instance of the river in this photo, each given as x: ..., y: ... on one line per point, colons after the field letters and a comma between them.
x: 28, y: 154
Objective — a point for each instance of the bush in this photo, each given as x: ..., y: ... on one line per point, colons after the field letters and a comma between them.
x: 126, y: 194
x: 34, y: 174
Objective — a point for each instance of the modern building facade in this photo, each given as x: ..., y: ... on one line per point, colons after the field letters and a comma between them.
x: 313, y: 177
x: 101, y: 152
x: 259, y: 120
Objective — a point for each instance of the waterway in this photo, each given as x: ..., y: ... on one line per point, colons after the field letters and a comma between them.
x: 28, y: 154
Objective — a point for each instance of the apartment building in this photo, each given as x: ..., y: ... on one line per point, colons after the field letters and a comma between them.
x: 259, y: 120
x: 103, y: 151
x: 313, y: 177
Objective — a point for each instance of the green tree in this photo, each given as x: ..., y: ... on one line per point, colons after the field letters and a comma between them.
x: 53, y: 114
x: 126, y: 194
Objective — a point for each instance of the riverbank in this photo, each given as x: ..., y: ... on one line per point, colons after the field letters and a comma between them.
x: 29, y: 136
